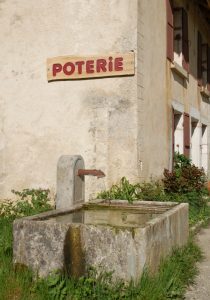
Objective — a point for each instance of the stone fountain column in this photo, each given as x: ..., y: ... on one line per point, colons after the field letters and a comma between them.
x: 70, y: 186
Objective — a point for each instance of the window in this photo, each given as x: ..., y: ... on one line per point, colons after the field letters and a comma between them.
x: 177, y: 36
x: 199, y: 62
x: 181, y: 48
x: 203, y: 63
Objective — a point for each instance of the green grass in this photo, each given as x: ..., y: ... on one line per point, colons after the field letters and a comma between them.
x: 199, y: 214
x: 12, y: 284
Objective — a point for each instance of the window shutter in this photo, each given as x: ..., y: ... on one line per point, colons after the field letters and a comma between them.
x: 208, y: 69
x: 170, y: 31
x: 186, y: 135
x: 199, y: 62
x: 185, y: 42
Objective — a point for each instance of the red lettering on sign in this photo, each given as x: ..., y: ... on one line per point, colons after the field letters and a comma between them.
x: 79, y: 64
x: 118, y: 64
x: 56, y: 68
x: 90, y: 66
x: 101, y: 65
x: 110, y: 64
x: 68, y: 68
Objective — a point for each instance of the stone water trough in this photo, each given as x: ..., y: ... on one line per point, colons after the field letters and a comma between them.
x: 112, y: 235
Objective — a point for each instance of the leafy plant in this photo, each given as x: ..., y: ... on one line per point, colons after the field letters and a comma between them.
x: 185, y: 177
x: 54, y: 284
x: 30, y: 201
x: 151, y: 191
x: 181, y: 160
x: 124, y: 191
x: 187, y: 183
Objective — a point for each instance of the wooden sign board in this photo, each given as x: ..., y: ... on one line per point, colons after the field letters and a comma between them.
x: 76, y: 67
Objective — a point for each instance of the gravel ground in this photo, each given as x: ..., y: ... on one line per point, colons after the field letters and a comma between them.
x: 201, y: 289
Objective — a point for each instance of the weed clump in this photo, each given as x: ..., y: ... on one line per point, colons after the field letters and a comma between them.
x: 185, y: 183
x: 124, y: 191
x: 29, y: 202
x: 185, y: 177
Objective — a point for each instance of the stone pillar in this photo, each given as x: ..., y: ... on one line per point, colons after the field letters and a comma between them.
x: 70, y: 186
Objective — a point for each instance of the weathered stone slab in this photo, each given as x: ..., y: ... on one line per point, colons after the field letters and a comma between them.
x: 45, y: 244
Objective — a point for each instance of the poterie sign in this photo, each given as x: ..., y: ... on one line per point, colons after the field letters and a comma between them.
x: 75, y: 67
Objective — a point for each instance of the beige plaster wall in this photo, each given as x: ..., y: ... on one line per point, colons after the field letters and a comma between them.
x: 39, y: 121
x: 153, y: 130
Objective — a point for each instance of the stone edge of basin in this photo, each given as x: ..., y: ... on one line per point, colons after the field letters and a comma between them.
x: 50, y: 213
x: 62, y: 211
x: 116, y: 201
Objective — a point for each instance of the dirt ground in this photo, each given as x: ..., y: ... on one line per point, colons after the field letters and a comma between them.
x: 201, y: 289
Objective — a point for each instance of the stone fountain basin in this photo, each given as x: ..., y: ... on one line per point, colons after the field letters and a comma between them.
x: 111, y: 234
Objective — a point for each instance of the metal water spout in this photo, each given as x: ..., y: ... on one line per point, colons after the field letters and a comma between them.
x: 94, y: 172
